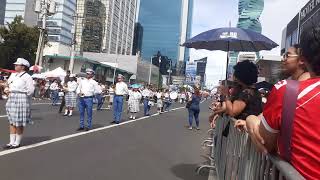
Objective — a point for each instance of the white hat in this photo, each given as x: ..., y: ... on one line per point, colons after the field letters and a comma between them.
x: 21, y: 61
x: 89, y: 71
x: 120, y: 76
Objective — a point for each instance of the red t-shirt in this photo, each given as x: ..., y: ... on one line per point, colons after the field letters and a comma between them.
x: 305, y: 140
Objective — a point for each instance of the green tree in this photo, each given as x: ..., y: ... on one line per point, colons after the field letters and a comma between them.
x: 17, y: 40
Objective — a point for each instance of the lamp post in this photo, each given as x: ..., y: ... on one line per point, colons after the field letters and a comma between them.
x: 150, y: 69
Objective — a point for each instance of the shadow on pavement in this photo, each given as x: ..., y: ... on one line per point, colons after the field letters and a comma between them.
x: 188, y: 172
x: 95, y: 126
x: 33, y: 140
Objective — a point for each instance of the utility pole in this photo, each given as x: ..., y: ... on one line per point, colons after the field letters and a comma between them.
x: 73, y: 43
x: 44, y: 8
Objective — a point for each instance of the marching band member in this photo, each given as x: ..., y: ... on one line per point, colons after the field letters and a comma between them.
x: 18, y: 105
x: 54, y: 88
x: 160, y: 101
x: 120, y: 91
x: 71, y: 95
x: 146, y: 93
x: 86, y: 91
x: 134, y: 101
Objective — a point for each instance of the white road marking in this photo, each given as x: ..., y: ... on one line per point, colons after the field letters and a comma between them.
x: 6, y: 152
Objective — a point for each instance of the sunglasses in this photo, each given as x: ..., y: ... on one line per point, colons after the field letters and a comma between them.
x: 286, y: 55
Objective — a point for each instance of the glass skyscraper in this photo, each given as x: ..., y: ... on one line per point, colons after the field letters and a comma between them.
x: 249, y: 14
x: 166, y: 24
x: 61, y: 23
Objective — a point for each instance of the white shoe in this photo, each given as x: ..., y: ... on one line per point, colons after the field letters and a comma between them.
x: 190, y: 128
x: 134, y: 118
x: 130, y: 117
x: 198, y: 128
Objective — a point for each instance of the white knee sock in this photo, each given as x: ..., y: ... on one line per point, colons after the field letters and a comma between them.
x: 18, y: 139
x: 66, y: 111
x: 12, y: 139
x: 70, y: 113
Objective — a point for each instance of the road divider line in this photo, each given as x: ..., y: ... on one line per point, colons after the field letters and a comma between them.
x: 6, y: 152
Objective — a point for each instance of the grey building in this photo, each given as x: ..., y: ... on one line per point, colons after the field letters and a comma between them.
x: 117, y: 28
x: 2, y: 11
x: 23, y: 8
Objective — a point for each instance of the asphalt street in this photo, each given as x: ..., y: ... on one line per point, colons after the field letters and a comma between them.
x: 159, y: 147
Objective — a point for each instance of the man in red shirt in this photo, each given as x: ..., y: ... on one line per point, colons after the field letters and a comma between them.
x: 265, y: 130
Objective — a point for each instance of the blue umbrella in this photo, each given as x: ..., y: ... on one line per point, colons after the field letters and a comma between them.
x: 231, y: 39
x: 136, y: 86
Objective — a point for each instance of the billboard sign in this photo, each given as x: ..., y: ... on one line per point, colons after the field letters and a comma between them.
x: 191, y: 72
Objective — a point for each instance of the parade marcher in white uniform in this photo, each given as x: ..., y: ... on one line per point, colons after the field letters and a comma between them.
x: 111, y: 96
x: 146, y: 94
x: 86, y: 90
x: 134, y: 101
x: 54, y: 88
x: 159, y: 101
x: 120, y: 91
x: 71, y: 95
x: 18, y: 105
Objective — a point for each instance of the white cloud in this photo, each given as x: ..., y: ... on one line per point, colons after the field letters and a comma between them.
x: 209, y: 14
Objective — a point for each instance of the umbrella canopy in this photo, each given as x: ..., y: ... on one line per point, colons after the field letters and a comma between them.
x: 36, y: 68
x: 38, y: 76
x: 56, y: 73
x: 231, y: 39
x: 136, y: 86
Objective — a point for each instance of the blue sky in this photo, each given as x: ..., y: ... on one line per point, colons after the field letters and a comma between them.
x: 209, y: 14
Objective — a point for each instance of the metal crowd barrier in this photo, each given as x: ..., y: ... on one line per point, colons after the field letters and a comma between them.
x: 236, y: 158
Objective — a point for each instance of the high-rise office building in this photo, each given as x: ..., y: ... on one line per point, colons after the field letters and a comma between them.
x: 166, y: 24
x: 61, y: 23
x: 2, y: 11
x: 137, y: 39
x: 249, y: 14
x: 23, y: 8
x: 118, y: 26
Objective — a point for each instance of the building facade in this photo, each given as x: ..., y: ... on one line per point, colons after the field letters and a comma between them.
x: 308, y: 16
x: 60, y: 25
x: 2, y: 11
x: 201, y: 70
x: 23, y: 8
x: 113, y: 28
x: 166, y: 24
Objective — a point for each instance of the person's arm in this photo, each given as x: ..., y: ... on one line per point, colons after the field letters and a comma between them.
x: 79, y: 88
x: 30, y: 86
x: 264, y: 140
x: 235, y: 108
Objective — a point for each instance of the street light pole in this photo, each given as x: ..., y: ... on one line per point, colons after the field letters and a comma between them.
x: 150, y: 68
x: 115, y: 69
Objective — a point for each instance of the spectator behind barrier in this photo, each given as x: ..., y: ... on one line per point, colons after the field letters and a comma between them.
x: 245, y: 99
x: 304, y: 143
